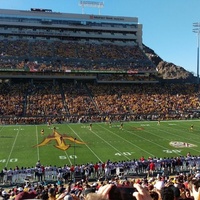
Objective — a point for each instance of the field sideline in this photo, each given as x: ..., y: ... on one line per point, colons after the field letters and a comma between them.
x: 77, y: 144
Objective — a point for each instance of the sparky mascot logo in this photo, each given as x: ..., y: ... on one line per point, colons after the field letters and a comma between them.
x: 60, y: 141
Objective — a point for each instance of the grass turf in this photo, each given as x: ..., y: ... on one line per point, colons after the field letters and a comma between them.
x: 18, y: 143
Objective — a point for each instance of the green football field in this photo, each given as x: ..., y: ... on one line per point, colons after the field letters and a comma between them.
x: 24, y: 145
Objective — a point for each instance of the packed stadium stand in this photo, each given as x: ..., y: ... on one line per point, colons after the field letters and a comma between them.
x: 80, y: 68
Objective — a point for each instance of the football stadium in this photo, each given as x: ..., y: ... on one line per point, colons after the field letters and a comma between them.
x: 82, y: 99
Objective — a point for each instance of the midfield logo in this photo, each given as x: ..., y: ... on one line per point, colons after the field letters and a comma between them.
x: 60, y: 141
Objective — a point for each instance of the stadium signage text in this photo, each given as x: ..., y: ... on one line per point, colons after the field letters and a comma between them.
x: 106, y: 18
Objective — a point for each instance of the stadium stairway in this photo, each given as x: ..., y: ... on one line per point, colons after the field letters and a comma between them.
x: 91, y: 97
x: 63, y: 97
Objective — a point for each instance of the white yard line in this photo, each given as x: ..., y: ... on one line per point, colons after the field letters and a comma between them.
x: 36, y: 133
x: 155, y: 143
x: 1, y: 128
x: 13, y: 145
x: 68, y: 158
x: 86, y: 145
x: 127, y: 141
x: 195, y: 141
x: 110, y: 145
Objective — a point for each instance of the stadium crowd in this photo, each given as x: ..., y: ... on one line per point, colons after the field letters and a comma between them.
x: 62, y: 56
x: 63, y: 102
x: 34, y: 102
x: 163, y: 178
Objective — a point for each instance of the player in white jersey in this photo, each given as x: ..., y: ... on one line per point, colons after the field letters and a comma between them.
x: 198, y: 164
x: 158, y: 165
x: 107, y: 170
x: 54, y: 172
x: 15, y: 176
x: 47, y: 173
x: 91, y: 167
x: 5, y: 175
x: 76, y: 169
x: 100, y: 170
x: 29, y: 174
x: 59, y: 174
x: 9, y: 176
x: 39, y: 174
x: 82, y: 169
x: 191, y: 165
x: 87, y: 172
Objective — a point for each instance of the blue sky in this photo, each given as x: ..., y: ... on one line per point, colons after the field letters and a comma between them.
x: 167, y: 24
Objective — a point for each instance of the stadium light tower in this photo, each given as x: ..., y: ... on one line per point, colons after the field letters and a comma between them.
x: 196, y: 30
x: 91, y: 4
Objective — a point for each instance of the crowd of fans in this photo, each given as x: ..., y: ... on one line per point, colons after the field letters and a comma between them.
x: 100, y: 181
x: 63, y: 102
x: 63, y: 56
x: 161, y: 188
